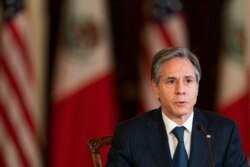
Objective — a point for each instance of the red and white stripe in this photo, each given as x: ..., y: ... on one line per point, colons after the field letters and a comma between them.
x: 18, y: 112
x: 156, y: 36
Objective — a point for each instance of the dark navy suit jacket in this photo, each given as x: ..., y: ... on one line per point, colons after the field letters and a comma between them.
x: 142, y: 142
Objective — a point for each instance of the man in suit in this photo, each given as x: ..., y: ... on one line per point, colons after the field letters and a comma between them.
x: 177, y: 134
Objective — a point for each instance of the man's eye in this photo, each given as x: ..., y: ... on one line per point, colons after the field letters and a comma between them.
x: 170, y: 81
x: 189, y: 80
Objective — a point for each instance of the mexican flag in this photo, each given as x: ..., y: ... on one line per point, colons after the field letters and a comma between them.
x: 234, y: 75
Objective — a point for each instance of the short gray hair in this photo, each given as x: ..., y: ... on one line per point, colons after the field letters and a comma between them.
x: 170, y: 53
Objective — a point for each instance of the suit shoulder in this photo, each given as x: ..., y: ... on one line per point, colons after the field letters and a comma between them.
x: 215, y: 118
x: 138, y: 119
x: 137, y: 124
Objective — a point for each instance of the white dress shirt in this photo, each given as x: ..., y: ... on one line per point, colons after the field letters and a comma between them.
x: 172, y: 140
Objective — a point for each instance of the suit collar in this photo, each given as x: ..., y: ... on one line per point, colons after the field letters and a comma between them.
x: 157, y: 139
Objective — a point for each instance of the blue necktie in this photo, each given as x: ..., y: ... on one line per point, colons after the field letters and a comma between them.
x: 180, y: 155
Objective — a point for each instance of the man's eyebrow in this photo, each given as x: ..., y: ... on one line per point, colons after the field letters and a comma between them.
x: 171, y: 77
x: 189, y: 76
x: 186, y: 76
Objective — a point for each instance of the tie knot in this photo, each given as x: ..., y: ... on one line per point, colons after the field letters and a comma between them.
x: 179, y: 133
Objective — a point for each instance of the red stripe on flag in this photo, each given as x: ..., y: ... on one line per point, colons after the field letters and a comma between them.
x: 15, y: 88
x: 165, y: 33
x: 89, y: 112
x: 2, y: 163
x: 10, y: 129
x: 24, y: 52
x: 239, y: 112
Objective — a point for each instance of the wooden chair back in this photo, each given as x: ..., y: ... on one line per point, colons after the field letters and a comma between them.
x: 95, y: 146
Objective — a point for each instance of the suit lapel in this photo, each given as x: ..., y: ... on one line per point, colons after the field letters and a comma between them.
x: 198, y: 141
x: 157, y: 140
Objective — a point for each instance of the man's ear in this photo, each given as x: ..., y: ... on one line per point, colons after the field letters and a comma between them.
x: 155, y: 89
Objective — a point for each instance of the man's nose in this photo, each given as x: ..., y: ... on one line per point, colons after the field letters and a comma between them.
x: 180, y: 89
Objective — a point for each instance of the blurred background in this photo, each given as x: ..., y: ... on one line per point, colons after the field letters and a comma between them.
x: 71, y: 70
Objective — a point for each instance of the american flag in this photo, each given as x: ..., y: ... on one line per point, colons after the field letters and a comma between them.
x: 18, y: 110
x: 165, y: 27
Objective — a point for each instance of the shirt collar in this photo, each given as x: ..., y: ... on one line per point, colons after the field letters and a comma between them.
x: 170, y: 125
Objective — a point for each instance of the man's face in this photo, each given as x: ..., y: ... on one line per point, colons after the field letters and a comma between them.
x: 177, y: 89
